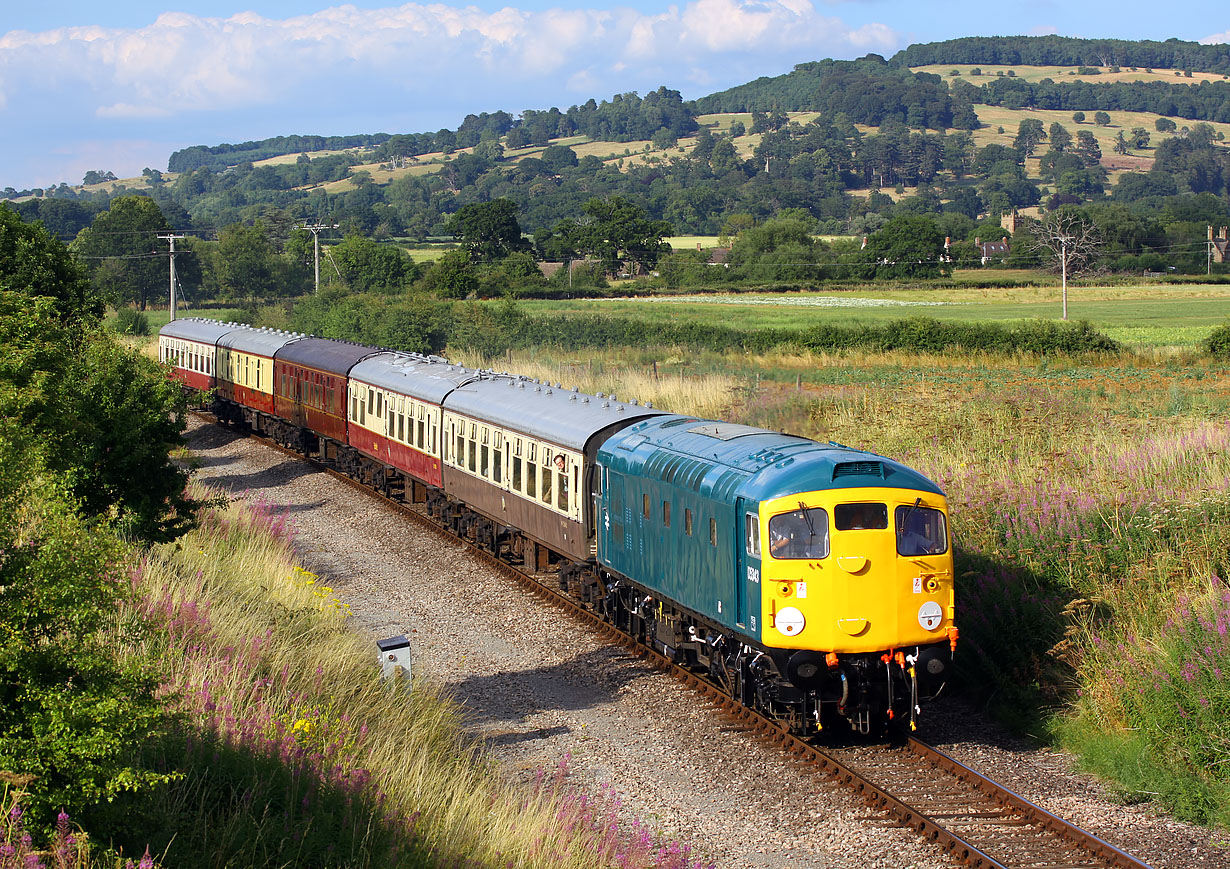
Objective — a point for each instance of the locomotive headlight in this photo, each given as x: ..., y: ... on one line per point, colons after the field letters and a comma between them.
x: 789, y: 621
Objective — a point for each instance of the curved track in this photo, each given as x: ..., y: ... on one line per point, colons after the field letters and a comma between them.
x: 977, y: 821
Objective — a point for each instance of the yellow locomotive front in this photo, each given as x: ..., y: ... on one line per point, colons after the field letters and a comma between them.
x: 859, y: 582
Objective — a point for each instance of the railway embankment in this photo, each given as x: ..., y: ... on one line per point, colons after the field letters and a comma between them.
x: 541, y: 692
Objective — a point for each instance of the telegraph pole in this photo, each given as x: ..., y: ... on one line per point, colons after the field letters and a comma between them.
x: 171, y: 238
x: 314, y: 229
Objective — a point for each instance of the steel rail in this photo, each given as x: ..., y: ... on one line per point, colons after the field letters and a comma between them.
x: 873, y: 794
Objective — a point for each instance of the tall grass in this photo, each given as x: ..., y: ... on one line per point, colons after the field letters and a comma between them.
x: 288, y: 749
x: 709, y: 396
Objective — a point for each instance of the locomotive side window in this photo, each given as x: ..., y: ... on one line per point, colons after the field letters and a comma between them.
x: 687, y: 521
x: 800, y: 534
x: 666, y: 513
x: 920, y: 531
x: 645, y: 505
x: 712, y: 532
x: 751, y: 526
x: 860, y: 517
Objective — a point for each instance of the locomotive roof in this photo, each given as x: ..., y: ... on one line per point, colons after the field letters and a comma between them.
x: 260, y: 342
x: 728, y: 459
x: 325, y: 354
x: 427, y: 378
x: 563, y: 416
x: 196, y: 329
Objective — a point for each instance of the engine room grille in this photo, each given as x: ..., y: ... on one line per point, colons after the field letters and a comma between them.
x: 858, y: 469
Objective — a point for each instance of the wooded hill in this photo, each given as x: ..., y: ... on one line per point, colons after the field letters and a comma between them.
x: 849, y: 143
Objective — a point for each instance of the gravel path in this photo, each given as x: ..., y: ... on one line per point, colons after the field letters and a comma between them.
x: 540, y: 689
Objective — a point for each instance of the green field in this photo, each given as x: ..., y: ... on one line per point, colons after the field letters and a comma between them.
x: 1145, y: 316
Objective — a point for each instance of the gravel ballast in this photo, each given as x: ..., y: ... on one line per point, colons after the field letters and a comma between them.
x: 542, y: 690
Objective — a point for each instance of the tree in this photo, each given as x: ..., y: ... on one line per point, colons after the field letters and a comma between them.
x: 909, y: 246
x: 1060, y: 137
x: 1165, y: 125
x: 1121, y: 143
x: 35, y: 264
x: 488, y: 230
x: 127, y: 261
x: 1101, y: 119
x: 367, y: 265
x: 1139, y: 137
x: 1087, y: 148
x: 618, y: 229
x: 1078, y: 117
x: 243, y: 265
x: 451, y: 276
x: 1029, y: 135
x: 1069, y: 242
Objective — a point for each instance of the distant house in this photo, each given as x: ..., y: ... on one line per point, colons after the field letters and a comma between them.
x: 717, y: 257
x: 992, y: 250
x: 1220, y: 244
x: 549, y: 269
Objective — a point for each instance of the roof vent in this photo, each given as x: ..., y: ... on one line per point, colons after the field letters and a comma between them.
x: 573, y: 397
x: 649, y: 404
x: 613, y: 398
x: 632, y: 402
x: 858, y: 469
x: 585, y: 400
x: 602, y: 395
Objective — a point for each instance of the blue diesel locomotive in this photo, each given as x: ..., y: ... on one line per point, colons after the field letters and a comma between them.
x: 813, y: 582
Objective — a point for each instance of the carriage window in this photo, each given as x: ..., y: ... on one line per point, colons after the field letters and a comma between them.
x: 497, y: 469
x: 546, y: 485
x: 920, y: 531
x: 751, y: 526
x: 516, y: 478
x: 713, y: 532
x: 860, y: 517
x: 561, y: 500
x: 422, y: 441
x: 460, y: 458
x: 531, y: 480
x: 687, y: 522
x: 484, y: 466
x: 401, y: 427
x: 800, y: 534
x: 473, y: 455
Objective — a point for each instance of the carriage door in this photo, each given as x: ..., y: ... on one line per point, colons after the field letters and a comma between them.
x: 747, y: 570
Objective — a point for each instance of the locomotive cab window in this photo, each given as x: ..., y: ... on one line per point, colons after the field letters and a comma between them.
x: 920, y: 531
x: 860, y: 517
x: 800, y: 534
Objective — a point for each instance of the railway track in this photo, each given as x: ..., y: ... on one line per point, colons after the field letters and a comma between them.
x: 975, y: 820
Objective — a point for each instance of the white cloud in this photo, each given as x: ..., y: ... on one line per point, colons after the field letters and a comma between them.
x: 1044, y: 30
x: 1217, y: 38
x: 402, y: 68
x: 184, y: 63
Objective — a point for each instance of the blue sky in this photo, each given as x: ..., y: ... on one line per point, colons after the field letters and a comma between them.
x: 121, y: 85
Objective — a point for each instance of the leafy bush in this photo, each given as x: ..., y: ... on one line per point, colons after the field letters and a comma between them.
x: 1218, y: 343
x: 130, y: 321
